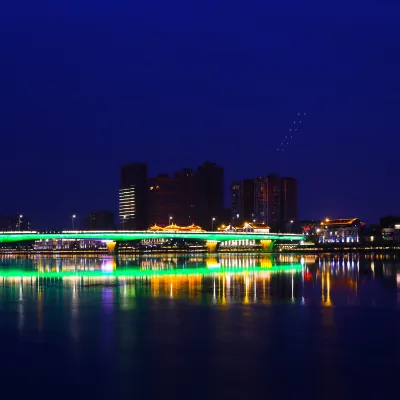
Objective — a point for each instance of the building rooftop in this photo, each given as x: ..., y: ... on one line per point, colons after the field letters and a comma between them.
x: 246, y: 225
x: 176, y: 228
x: 256, y: 225
x: 339, y: 221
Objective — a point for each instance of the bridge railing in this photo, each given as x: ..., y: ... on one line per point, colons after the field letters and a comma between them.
x: 146, y: 232
x: 182, y: 232
x: 17, y: 232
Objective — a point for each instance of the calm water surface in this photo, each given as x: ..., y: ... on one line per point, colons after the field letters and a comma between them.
x: 232, y: 326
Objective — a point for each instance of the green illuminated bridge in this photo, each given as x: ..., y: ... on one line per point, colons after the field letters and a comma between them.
x: 212, y: 239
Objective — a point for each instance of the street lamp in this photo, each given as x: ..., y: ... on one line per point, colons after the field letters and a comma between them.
x: 19, y: 221
x: 212, y: 223
x: 123, y: 222
x: 169, y: 220
x: 291, y: 224
x: 73, y: 220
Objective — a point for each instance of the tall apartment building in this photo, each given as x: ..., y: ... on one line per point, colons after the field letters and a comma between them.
x: 187, y: 197
x: 209, y: 194
x: 172, y: 199
x: 289, y: 201
x: 164, y: 200
x: 267, y: 206
x: 242, y: 200
x: 186, y: 179
x: 270, y: 199
x: 133, y: 196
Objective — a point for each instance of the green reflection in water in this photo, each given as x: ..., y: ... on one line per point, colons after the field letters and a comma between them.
x: 136, y: 272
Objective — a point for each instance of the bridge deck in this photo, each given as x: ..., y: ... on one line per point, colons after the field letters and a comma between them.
x: 140, y: 235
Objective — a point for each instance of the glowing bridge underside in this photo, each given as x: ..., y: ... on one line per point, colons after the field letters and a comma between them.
x: 121, y: 236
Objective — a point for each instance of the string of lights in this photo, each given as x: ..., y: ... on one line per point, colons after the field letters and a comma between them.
x: 294, y: 129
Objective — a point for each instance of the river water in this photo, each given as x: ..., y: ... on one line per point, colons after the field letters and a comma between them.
x: 230, y: 326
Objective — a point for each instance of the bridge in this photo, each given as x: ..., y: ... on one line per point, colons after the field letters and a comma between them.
x: 211, y: 239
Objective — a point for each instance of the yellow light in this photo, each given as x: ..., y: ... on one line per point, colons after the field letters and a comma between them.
x: 326, y: 219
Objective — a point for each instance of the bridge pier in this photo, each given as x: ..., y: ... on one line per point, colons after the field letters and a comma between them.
x: 111, y: 246
x: 267, y: 244
x: 212, y: 246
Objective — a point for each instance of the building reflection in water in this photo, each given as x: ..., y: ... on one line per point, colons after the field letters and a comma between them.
x: 324, y: 280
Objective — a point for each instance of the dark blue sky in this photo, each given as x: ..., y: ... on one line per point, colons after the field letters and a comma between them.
x: 89, y: 85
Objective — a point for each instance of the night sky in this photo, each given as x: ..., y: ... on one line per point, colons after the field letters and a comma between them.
x: 86, y: 86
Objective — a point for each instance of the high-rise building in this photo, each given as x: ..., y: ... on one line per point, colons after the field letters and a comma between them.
x: 271, y: 200
x: 288, y: 200
x: 164, y: 200
x: 133, y: 196
x: 267, y: 208
x: 183, y: 199
x: 100, y: 220
x: 209, y: 194
x: 187, y: 196
x: 242, y: 201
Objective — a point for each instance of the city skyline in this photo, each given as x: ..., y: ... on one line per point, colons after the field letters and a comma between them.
x: 294, y: 215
